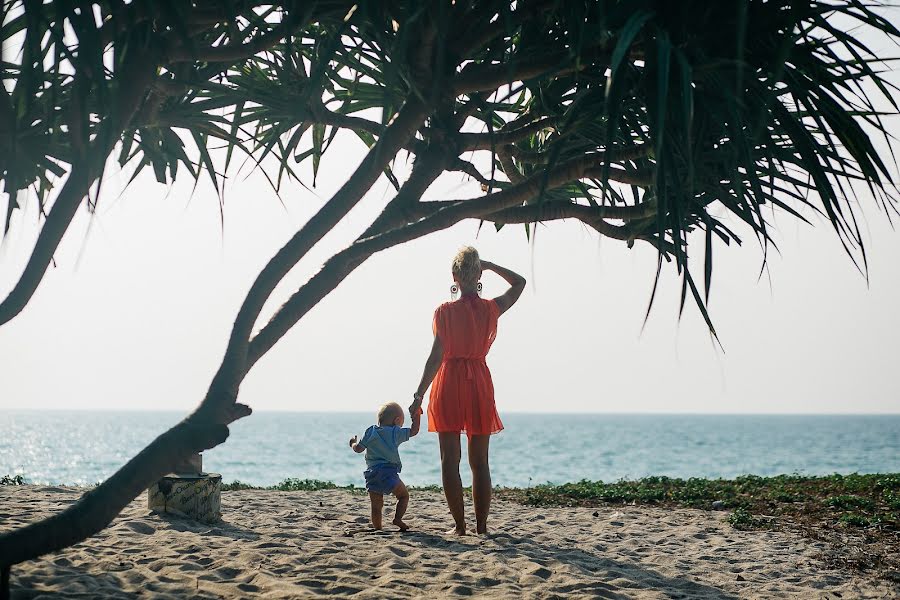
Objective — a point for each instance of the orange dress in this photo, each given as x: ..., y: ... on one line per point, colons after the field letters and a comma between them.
x: 462, y: 394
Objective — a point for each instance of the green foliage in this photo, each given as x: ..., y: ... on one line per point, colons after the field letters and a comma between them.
x: 287, y: 485
x: 303, y: 485
x: 742, y: 519
x: 738, y: 109
x: 12, y: 480
x: 238, y: 485
x: 849, y: 501
x: 872, y: 497
x: 855, y: 520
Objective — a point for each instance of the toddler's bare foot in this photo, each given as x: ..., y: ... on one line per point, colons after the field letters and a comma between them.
x: 399, y: 523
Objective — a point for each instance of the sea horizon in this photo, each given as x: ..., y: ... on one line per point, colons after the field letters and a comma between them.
x: 86, y: 446
x: 503, y: 412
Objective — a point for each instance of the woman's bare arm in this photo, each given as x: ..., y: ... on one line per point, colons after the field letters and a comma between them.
x: 516, y: 285
x: 431, y: 368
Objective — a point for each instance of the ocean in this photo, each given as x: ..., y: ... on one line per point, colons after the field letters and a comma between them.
x: 84, y: 447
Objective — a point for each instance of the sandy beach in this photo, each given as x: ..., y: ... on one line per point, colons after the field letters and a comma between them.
x: 307, y: 544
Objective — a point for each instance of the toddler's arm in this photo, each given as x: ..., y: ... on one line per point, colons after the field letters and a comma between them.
x: 357, y: 447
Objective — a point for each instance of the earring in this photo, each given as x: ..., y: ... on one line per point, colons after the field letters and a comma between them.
x: 478, y: 289
x: 454, y: 291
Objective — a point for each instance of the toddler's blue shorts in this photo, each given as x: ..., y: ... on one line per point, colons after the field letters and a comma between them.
x: 382, y: 479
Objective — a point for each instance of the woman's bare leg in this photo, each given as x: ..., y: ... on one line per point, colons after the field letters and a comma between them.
x: 450, y: 455
x: 481, y: 479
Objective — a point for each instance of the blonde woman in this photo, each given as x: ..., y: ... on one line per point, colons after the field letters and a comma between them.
x: 462, y: 398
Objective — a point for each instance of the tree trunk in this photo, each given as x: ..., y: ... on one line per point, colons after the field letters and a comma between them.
x: 99, y: 506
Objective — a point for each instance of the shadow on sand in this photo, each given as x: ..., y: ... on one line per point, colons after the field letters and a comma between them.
x: 594, y: 571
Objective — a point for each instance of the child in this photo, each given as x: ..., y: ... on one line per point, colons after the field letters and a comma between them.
x: 381, y: 444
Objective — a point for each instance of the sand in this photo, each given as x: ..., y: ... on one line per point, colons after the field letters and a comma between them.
x: 310, y: 544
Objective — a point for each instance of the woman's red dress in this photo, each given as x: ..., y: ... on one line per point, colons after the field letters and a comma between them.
x: 462, y: 395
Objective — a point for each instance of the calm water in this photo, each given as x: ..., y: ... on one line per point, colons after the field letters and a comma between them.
x: 86, y: 447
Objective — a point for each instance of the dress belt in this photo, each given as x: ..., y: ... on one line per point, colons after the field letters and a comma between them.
x: 470, y: 374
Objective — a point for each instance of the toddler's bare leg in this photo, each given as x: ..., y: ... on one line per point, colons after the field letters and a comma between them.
x: 377, y: 506
x: 402, y: 495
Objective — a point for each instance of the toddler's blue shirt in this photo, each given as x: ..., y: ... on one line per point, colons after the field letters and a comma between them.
x: 382, y: 444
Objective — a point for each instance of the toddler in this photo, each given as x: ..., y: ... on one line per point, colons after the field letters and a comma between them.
x: 381, y: 444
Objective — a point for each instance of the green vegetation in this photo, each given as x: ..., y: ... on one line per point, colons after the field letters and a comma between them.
x: 742, y: 519
x: 287, y: 485
x: 755, y: 502
x: 857, y: 500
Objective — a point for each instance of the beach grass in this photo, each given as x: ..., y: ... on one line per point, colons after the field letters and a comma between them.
x: 858, y: 500
x: 287, y: 485
x: 866, y: 501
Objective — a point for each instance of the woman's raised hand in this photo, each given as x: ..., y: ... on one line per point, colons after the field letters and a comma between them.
x: 516, y: 285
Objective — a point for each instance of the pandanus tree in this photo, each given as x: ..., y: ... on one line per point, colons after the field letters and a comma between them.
x: 649, y: 121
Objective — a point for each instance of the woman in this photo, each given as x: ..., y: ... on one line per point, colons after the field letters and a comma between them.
x: 462, y: 399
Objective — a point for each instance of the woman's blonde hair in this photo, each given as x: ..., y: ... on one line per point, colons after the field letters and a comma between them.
x: 466, y: 266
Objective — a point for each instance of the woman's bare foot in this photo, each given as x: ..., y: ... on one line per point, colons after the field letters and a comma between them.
x: 457, y: 531
x: 399, y: 523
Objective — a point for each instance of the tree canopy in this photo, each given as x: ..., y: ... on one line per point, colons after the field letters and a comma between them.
x: 648, y: 121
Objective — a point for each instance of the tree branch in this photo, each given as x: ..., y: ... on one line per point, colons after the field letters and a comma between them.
x: 622, y: 154
x: 427, y: 168
x: 475, y: 38
x: 640, y: 178
x: 223, y: 388
x: 526, y: 190
x: 464, y: 166
x: 483, y: 78
x: 509, y: 166
x: 234, y: 52
x: 551, y: 211
x: 440, y: 215
x: 487, y: 141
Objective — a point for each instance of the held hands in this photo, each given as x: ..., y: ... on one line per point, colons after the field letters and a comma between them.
x: 353, y: 441
x: 415, y: 408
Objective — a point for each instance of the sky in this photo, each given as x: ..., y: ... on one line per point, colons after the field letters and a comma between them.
x: 137, y: 311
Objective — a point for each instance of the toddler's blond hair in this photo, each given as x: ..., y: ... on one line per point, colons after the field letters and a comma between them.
x: 389, y: 412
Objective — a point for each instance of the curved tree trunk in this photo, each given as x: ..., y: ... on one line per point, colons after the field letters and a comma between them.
x: 99, y: 506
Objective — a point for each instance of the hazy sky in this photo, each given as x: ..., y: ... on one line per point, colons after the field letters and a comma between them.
x: 137, y: 312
